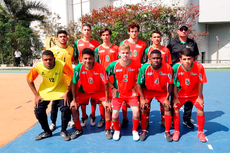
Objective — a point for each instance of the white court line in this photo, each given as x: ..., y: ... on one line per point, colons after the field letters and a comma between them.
x: 210, y: 147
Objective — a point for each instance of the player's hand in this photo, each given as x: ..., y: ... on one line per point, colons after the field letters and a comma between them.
x: 107, y: 105
x: 167, y: 103
x: 143, y: 102
x: 74, y: 104
x: 176, y: 101
x: 114, y: 92
x: 37, y: 99
x: 66, y: 99
x: 200, y: 100
x: 134, y: 93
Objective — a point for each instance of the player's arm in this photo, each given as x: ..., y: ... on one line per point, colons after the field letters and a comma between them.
x: 76, y: 77
x: 145, y: 56
x: 31, y: 76
x: 96, y: 54
x: 175, y: 82
x: 76, y: 51
x: 140, y: 81
x: 196, y: 51
x: 169, y: 92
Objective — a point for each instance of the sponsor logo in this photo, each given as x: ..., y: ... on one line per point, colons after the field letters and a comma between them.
x: 162, y: 52
x: 150, y: 73
x: 95, y: 73
x: 83, y: 72
x: 81, y: 44
x: 193, y: 73
x: 101, y: 51
x: 138, y: 46
x: 111, y: 51
x: 57, y: 73
x: 181, y: 73
x: 187, y: 82
x: 161, y: 73
x: 90, y: 45
x: 43, y: 73
x: 118, y: 70
x: 131, y: 69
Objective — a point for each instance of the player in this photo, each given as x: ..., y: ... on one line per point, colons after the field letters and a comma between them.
x: 105, y: 54
x: 79, y: 45
x: 175, y: 47
x: 189, y: 77
x: 93, y: 83
x: 166, y: 58
x: 137, y: 48
x: 64, y: 53
x: 53, y: 87
x: 124, y: 71
x: 152, y: 83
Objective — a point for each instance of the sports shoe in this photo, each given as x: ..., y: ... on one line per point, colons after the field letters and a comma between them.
x: 188, y: 124
x: 52, y: 127
x: 83, y: 121
x: 116, y: 135
x: 76, y: 134
x: 143, y: 135
x: 168, y: 137
x: 43, y: 135
x: 101, y: 123
x: 71, y: 124
x: 176, y: 136
x: 136, y: 136
x: 92, y: 120
x: 65, y: 135
x: 201, y: 136
x: 124, y: 123
x: 108, y: 134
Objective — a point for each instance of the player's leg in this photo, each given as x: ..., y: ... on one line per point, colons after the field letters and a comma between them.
x: 187, y: 115
x: 53, y: 114
x: 84, y: 115
x: 116, y: 103
x: 124, y: 113
x: 40, y: 113
x: 71, y: 123
x: 65, y: 118
x: 108, y: 120
x: 176, y: 121
x: 168, y: 120
x: 133, y: 102
x: 143, y: 116
x: 162, y: 114
x: 101, y: 123
x: 93, y: 111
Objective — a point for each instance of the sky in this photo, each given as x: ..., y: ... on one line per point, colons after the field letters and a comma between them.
x: 48, y: 3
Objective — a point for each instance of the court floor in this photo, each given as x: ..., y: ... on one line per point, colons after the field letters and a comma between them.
x: 217, y: 123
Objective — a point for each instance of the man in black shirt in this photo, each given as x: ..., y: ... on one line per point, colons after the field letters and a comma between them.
x: 175, y: 47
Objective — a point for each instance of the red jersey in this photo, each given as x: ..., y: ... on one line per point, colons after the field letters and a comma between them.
x: 156, y: 80
x: 136, y: 50
x: 80, y: 44
x: 187, y: 81
x: 91, y: 81
x: 124, y: 77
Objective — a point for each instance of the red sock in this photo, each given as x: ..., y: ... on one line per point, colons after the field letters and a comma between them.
x: 143, y: 121
x: 148, y: 112
x: 107, y: 124
x: 77, y: 124
x: 162, y: 112
x: 176, y: 122
x: 135, y: 124
x: 168, y: 120
x: 83, y: 110
x: 124, y: 111
x: 93, y: 107
x: 116, y: 123
x: 200, y: 120
x: 102, y: 111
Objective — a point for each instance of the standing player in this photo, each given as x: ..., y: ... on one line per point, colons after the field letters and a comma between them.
x: 175, y: 47
x: 189, y: 77
x: 152, y: 83
x: 64, y: 53
x: 79, y: 45
x: 53, y: 87
x: 124, y: 71
x: 137, y: 48
x: 93, y: 83
x: 166, y: 58
x: 105, y: 54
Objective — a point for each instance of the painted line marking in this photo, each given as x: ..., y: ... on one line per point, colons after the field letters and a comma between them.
x: 210, y: 147
x: 206, y: 138
x: 18, y: 107
x: 218, y: 101
x: 195, y: 125
x: 29, y: 101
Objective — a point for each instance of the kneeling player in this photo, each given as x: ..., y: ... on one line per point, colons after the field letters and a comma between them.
x: 152, y: 83
x: 124, y: 71
x: 189, y: 77
x: 94, y: 84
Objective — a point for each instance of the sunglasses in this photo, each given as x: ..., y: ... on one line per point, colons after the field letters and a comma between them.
x: 185, y: 29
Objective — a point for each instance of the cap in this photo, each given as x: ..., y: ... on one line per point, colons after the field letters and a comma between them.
x: 182, y: 25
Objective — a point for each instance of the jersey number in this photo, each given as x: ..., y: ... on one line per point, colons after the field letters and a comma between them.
x: 125, y: 78
x: 51, y: 79
x: 133, y: 53
x: 156, y: 81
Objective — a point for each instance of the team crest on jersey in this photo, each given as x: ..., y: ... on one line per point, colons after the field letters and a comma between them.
x: 101, y: 51
x: 107, y: 58
x: 138, y: 46
x: 118, y: 70
x: 193, y: 73
x: 131, y: 69
x: 81, y: 45
x: 187, y: 82
x: 83, y: 72
x: 43, y: 73
x: 161, y: 73
x: 150, y: 73
x: 95, y: 73
x: 90, y: 80
x: 56, y: 73
x: 102, y: 77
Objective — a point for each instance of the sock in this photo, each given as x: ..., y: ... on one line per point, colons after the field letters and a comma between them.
x: 93, y: 107
x: 116, y: 123
x: 135, y: 124
x: 162, y: 110
x: 176, y: 122
x: 143, y: 121
x: 168, y: 120
x: 124, y: 111
x: 77, y: 124
x: 200, y: 120
x: 83, y: 110
x: 102, y: 111
x: 107, y: 124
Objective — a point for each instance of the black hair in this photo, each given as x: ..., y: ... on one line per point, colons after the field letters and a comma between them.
x: 87, y: 51
x: 155, y: 52
x: 156, y: 31
x: 104, y: 29
x: 61, y: 31
x: 186, y: 52
x: 48, y: 52
x: 87, y: 25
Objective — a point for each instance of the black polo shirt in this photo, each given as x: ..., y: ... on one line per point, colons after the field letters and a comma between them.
x: 175, y: 47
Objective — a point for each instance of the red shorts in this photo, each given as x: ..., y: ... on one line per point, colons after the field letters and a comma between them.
x: 83, y: 98
x: 131, y: 101
x: 158, y: 95
x: 184, y: 100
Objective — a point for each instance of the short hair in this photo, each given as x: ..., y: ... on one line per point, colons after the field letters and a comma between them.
x: 61, y: 31
x: 87, y: 51
x: 87, y: 25
x: 47, y: 52
x: 155, y: 51
x: 124, y: 46
x: 132, y: 25
x: 104, y: 29
x: 156, y: 31
x: 186, y: 52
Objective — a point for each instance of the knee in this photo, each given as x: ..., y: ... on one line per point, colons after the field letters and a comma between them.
x: 136, y: 113
x: 115, y: 114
